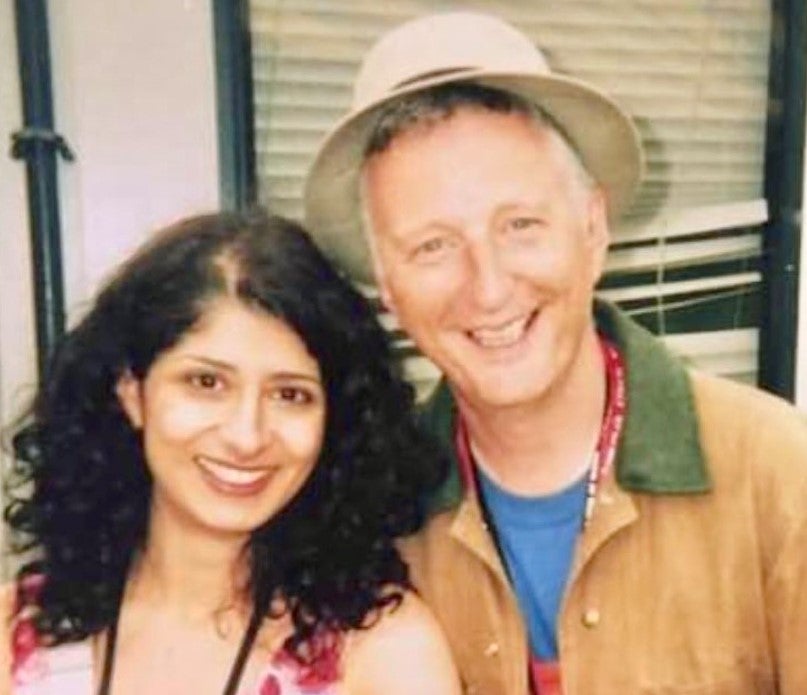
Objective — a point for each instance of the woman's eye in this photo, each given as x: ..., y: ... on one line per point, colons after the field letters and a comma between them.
x: 206, y: 381
x: 293, y: 395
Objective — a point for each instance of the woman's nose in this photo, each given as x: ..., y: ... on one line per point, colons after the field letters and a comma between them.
x: 244, y: 428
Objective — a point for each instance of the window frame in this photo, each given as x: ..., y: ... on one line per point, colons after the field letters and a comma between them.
x: 234, y: 104
x: 784, y: 172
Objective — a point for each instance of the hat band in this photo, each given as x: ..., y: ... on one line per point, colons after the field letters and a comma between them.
x: 431, y: 75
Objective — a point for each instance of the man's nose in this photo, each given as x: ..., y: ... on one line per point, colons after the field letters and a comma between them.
x: 490, y: 278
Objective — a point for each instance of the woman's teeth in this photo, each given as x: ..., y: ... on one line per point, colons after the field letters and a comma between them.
x: 230, y: 475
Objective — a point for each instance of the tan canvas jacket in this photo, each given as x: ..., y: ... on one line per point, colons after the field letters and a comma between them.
x: 692, y: 576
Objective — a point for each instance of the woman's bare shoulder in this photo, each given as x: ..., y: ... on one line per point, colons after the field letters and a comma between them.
x: 404, y: 652
x: 8, y: 594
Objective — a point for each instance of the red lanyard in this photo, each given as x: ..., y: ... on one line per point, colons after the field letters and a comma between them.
x: 612, y: 421
x: 545, y: 676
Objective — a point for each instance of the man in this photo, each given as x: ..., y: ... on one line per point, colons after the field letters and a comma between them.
x: 615, y: 524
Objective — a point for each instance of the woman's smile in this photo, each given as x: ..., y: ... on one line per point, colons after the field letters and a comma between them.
x: 233, y: 480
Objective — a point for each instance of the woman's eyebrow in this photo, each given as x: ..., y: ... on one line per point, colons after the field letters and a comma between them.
x: 274, y: 375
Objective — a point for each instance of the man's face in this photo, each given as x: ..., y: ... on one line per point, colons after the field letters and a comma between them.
x: 487, y: 246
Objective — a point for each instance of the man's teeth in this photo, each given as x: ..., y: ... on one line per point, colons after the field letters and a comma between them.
x: 233, y: 476
x: 503, y: 336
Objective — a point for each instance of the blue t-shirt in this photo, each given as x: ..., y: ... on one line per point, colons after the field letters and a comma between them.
x: 537, y: 537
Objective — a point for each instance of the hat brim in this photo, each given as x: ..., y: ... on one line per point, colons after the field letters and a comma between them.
x: 602, y: 134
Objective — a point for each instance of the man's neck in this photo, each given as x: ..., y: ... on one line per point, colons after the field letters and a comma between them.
x: 542, y: 446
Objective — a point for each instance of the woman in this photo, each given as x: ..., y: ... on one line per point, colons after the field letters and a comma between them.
x: 217, y: 466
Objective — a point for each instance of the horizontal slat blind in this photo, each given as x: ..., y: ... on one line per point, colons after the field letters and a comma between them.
x: 692, y: 72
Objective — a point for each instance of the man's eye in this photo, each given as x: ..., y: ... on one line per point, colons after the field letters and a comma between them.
x: 432, y: 245
x: 520, y: 224
x: 432, y: 249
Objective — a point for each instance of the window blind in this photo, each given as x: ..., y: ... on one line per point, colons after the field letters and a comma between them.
x: 693, y: 73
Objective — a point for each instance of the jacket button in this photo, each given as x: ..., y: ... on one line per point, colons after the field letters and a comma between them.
x: 492, y: 649
x: 591, y: 618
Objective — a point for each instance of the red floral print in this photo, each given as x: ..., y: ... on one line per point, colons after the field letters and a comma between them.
x: 322, y: 669
x: 270, y: 686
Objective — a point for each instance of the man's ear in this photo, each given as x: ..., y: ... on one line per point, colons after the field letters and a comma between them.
x: 372, y: 245
x: 129, y: 390
x: 384, y: 293
x: 378, y: 269
x: 597, y: 230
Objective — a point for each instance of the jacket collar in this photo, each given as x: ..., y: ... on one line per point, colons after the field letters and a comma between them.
x: 659, y: 450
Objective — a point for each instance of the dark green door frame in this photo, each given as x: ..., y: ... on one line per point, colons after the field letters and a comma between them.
x: 234, y: 96
x: 784, y: 172
x: 38, y: 145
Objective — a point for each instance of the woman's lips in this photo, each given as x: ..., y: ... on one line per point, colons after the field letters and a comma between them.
x: 231, y: 479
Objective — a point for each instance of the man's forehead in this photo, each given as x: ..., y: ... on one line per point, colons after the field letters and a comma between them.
x: 548, y: 139
x: 465, y: 133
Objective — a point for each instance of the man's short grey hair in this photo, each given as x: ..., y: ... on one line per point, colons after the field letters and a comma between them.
x: 436, y: 104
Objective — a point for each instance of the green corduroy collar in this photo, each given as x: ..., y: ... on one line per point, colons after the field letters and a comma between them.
x: 659, y: 450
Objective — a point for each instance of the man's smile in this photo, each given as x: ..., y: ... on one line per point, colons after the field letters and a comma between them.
x: 503, y: 335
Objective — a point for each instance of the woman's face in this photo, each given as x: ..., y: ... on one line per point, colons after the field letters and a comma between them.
x: 232, y: 418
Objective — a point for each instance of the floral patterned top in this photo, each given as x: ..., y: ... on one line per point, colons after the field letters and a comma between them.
x: 68, y: 670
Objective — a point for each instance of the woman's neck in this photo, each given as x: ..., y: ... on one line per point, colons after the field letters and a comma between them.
x: 189, y: 571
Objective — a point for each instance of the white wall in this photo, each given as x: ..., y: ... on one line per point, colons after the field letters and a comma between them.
x: 134, y: 95
x: 17, y: 361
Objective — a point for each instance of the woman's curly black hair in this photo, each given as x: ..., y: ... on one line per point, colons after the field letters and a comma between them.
x: 81, y: 487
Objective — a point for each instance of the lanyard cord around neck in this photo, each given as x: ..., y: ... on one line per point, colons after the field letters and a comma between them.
x: 607, y: 441
x: 236, y: 671
x: 611, y: 427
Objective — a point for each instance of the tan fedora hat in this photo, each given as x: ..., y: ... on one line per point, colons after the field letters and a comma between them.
x: 447, y: 48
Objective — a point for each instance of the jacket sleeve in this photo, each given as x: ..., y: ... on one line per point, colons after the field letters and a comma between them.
x: 783, y: 519
x: 787, y: 607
